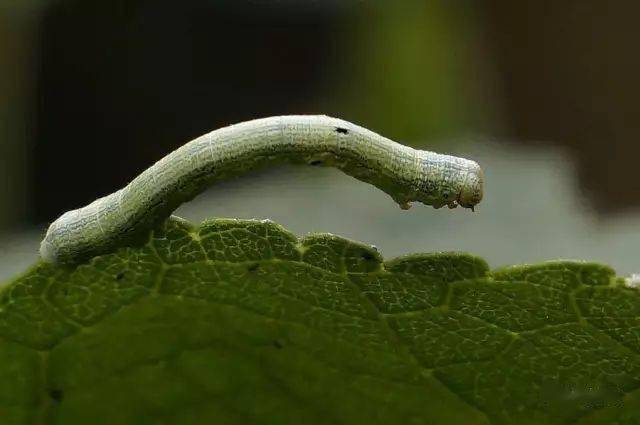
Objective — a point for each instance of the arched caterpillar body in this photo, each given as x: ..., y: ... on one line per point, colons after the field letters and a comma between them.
x: 404, y: 173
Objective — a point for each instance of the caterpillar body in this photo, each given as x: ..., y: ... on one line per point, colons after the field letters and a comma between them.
x: 406, y: 174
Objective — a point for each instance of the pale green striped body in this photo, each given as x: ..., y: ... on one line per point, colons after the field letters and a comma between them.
x: 404, y: 173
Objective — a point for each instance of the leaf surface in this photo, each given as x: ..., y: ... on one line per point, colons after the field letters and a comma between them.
x: 241, y: 322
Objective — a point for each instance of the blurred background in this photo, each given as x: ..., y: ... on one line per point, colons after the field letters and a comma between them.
x: 543, y: 94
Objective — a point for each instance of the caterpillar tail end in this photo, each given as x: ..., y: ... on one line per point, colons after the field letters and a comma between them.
x: 56, y: 236
x: 47, y: 251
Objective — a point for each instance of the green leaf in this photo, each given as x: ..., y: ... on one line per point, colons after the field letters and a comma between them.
x: 240, y: 322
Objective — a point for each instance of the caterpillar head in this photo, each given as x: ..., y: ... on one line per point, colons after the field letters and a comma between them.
x: 447, y: 180
x: 471, y: 189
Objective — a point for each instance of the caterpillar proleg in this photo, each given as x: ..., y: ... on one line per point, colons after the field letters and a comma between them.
x: 406, y: 174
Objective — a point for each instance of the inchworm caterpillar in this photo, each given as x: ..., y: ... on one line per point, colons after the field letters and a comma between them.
x: 404, y: 173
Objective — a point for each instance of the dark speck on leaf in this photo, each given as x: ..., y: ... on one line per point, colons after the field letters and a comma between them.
x: 367, y: 256
x: 342, y: 130
x: 56, y: 395
x: 120, y: 276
